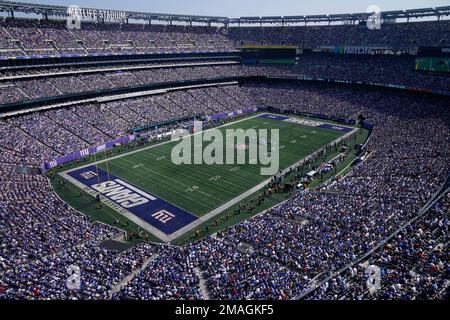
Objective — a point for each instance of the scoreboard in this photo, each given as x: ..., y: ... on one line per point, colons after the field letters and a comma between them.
x: 269, y: 54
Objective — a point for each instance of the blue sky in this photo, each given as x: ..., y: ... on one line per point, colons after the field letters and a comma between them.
x: 239, y: 8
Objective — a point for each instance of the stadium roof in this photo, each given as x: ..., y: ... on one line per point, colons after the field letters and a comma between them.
x: 397, y: 14
x: 44, y: 9
x: 54, y: 10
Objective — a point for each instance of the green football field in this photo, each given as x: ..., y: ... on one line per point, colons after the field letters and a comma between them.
x: 433, y: 64
x: 199, y: 189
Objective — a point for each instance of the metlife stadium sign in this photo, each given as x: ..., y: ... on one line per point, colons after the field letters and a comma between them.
x: 76, y: 11
x: 367, y: 50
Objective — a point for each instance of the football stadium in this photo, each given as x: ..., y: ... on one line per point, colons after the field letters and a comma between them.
x: 169, y: 156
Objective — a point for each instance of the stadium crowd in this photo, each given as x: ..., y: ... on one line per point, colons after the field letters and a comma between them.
x: 292, y: 250
x: 51, y: 37
x: 390, y: 35
x: 413, y: 265
x: 22, y: 37
x: 170, y: 275
x: 64, y: 131
x: 386, y: 70
x: 293, y: 245
x: 47, y: 37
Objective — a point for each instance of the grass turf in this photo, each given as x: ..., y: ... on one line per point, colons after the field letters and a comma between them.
x: 201, y: 188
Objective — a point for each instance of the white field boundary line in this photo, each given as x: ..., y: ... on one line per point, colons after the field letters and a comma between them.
x: 168, y: 238
x: 67, y: 177
x: 199, y: 172
x: 346, y: 167
x: 79, y: 244
x: 119, y: 230
x: 127, y: 214
x: 249, y: 192
x: 284, y: 201
x: 167, y: 178
x: 157, y: 145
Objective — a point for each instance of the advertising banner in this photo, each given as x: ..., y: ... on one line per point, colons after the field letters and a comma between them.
x: 233, y: 114
x: 86, y: 152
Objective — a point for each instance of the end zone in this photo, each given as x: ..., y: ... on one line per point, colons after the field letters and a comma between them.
x: 308, y: 122
x: 151, y: 213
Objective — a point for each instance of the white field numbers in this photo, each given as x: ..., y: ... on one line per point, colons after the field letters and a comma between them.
x: 215, y: 178
x: 192, y: 189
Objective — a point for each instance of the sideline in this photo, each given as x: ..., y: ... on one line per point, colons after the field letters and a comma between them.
x: 188, y: 228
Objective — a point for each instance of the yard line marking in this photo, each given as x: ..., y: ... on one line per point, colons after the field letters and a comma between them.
x: 218, y: 210
x: 159, y: 144
x: 217, y: 170
x: 176, y: 181
x: 239, y: 198
x: 206, y: 174
x: 162, y: 185
x: 142, y: 193
x: 190, y: 177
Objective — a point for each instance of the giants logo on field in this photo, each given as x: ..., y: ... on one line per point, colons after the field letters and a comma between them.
x: 88, y: 175
x: 122, y: 193
x: 163, y: 216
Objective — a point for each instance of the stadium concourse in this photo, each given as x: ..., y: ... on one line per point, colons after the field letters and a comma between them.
x: 41, y: 236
